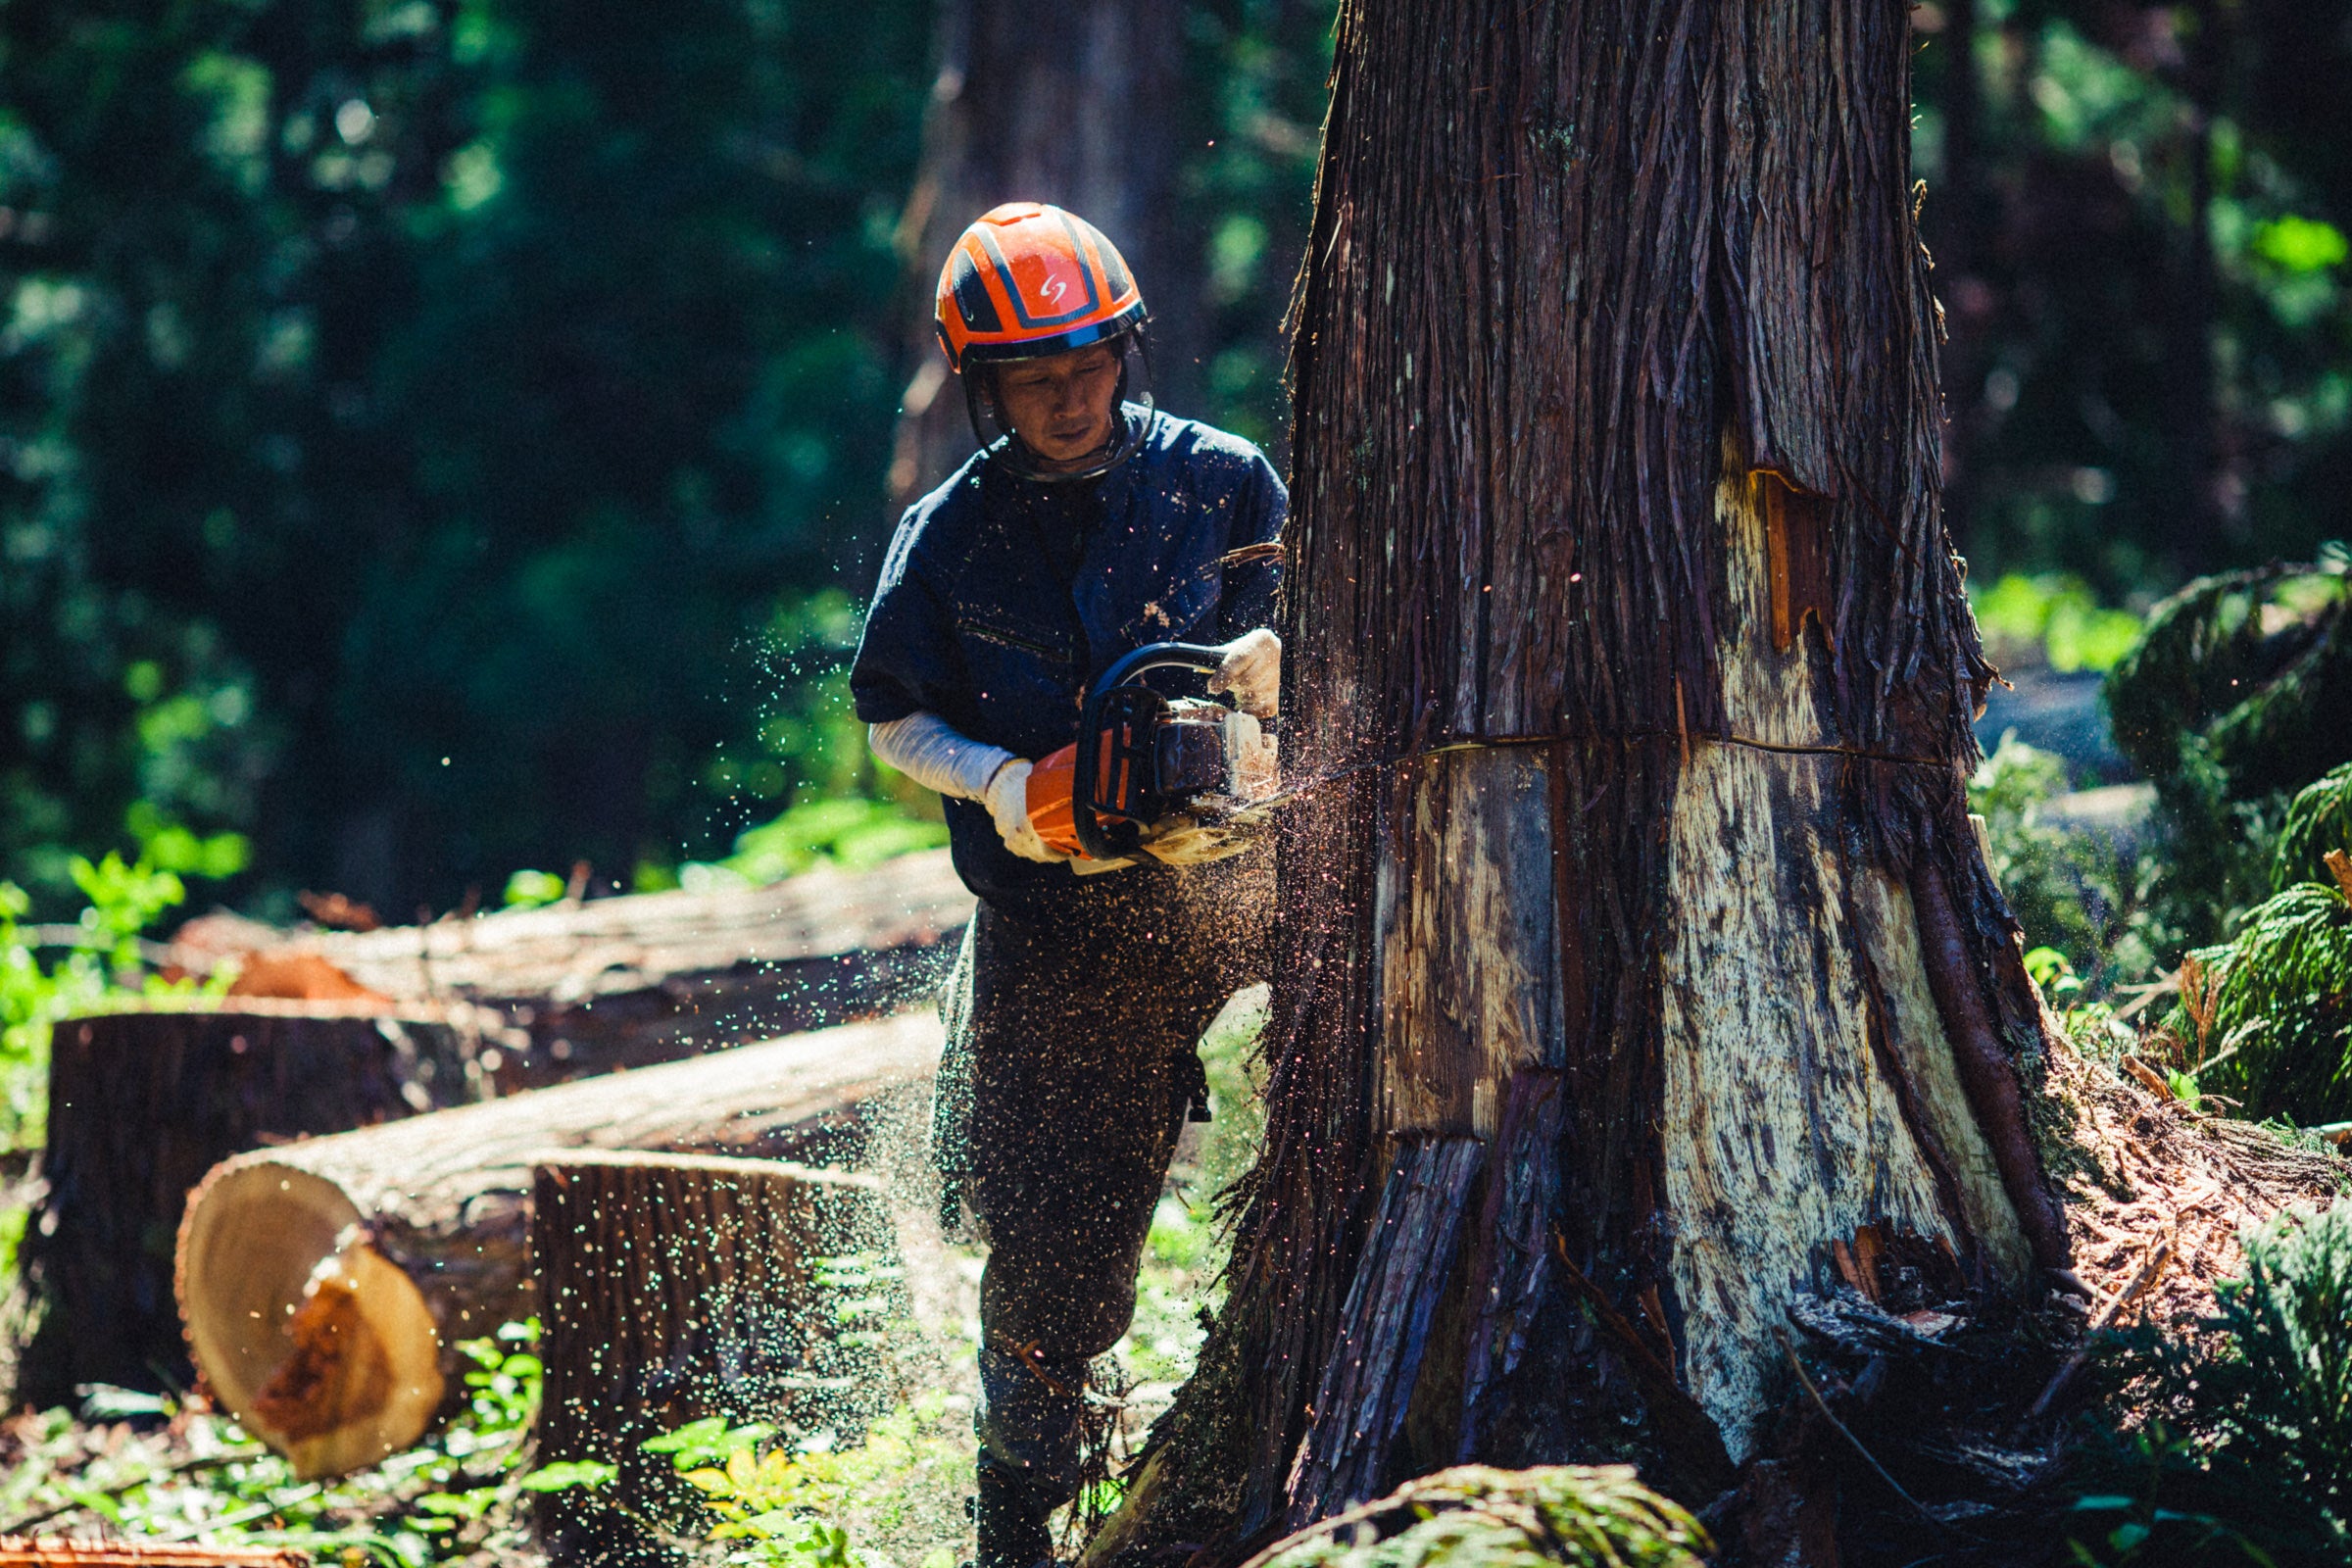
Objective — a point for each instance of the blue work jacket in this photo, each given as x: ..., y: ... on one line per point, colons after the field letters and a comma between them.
x: 973, y: 621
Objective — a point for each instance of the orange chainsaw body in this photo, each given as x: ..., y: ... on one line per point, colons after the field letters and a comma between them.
x: 1053, y: 782
x: 1159, y: 766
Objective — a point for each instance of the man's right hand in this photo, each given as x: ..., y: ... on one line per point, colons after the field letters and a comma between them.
x: 1008, y: 803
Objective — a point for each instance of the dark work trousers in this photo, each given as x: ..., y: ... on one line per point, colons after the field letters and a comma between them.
x: 1070, y: 1064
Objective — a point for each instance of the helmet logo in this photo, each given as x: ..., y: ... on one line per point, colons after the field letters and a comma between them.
x: 1055, y: 289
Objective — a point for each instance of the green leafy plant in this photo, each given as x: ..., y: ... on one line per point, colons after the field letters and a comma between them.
x: 2317, y: 819
x: 2051, y: 619
x: 2233, y: 702
x: 199, y: 1477
x: 796, y: 1503
x: 2078, y: 894
x: 102, y: 963
x: 849, y: 831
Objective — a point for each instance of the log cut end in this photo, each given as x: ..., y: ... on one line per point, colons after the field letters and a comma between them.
x: 323, y: 1349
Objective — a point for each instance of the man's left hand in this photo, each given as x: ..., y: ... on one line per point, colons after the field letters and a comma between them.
x: 1252, y: 670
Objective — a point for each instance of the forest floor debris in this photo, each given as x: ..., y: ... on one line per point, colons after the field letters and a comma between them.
x: 2155, y: 1171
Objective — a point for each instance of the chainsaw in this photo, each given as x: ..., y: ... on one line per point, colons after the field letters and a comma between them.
x: 1185, y: 780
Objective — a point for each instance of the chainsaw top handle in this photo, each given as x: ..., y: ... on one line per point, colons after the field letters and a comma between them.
x: 1116, y: 754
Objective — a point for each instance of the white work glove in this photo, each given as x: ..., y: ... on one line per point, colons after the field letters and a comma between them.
x: 1252, y: 670
x: 1008, y: 801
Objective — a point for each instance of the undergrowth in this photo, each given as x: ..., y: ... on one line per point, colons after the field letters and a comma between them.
x: 2268, y: 1015
x: 153, y: 1471
x: 2244, y: 1451
x: 2082, y: 894
x: 2233, y: 700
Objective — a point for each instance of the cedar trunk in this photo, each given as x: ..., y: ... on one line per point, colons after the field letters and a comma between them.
x: 674, y: 1287
x: 325, y: 1285
x: 1641, y: 952
x: 1075, y: 102
x: 141, y: 1105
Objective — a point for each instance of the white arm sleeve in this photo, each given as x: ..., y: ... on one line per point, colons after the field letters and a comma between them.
x: 931, y: 751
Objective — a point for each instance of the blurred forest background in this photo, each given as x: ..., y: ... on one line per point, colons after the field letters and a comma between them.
x: 448, y: 439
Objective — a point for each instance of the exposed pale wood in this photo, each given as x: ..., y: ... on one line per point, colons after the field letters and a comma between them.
x: 1942, y: 1115
x: 402, y: 1239
x: 1775, y: 687
x: 143, y: 1103
x: 674, y: 1287
x: 1782, y: 1129
x: 1469, y: 967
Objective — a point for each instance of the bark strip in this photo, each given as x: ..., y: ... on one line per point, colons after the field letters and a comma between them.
x: 1986, y: 1071
x: 1384, y: 1328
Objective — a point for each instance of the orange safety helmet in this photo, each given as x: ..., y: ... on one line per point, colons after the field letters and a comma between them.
x: 1028, y: 280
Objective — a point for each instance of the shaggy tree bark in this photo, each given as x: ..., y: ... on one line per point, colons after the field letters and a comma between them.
x: 326, y: 1284
x: 674, y: 1287
x: 1639, y: 952
x: 1074, y: 102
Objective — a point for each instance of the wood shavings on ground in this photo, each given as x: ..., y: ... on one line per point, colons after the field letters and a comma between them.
x: 2151, y: 1168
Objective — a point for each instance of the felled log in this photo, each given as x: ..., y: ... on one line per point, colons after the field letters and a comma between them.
x: 17, y: 1551
x: 143, y: 1103
x: 674, y: 1287
x: 584, y: 987
x: 322, y: 1284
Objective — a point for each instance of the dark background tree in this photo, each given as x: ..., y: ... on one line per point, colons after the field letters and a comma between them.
x: 446, y: 438
x: 2138, y: 213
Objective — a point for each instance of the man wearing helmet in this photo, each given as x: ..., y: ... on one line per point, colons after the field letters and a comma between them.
x: 1086, y: 527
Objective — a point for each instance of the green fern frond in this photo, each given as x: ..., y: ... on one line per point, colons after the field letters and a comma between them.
x: 2282, y: 999
x: 2317, y: 819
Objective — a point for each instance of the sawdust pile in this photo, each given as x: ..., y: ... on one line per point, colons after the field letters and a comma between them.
x: 2149, y: 1170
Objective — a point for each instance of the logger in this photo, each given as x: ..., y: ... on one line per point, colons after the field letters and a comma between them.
x: 1091, y: 541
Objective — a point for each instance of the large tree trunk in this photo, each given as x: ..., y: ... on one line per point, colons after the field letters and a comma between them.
x: 141, y: 1105
x: 675, y: 1287
x: 325, y: 1284
x: 1076, y: 102
x: 1634, y: 681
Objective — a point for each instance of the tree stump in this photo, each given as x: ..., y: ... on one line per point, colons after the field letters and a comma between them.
x: 141, y: 1105
x: 324, y: 1284
x: 676, y: 1287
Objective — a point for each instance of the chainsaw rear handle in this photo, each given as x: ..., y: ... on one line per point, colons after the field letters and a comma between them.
x: 1100, y: 747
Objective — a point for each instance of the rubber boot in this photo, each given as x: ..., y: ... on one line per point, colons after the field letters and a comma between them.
x: 1011, y: 1521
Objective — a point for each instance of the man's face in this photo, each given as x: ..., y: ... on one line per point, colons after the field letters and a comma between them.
x: 1060, y: 406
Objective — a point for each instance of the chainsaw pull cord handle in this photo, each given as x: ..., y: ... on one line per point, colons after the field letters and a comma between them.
x: 1093, y: 842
